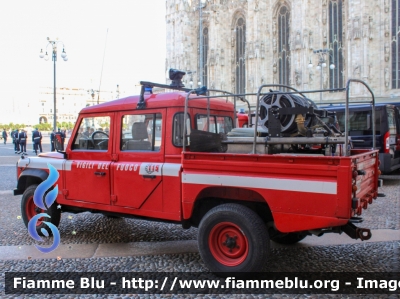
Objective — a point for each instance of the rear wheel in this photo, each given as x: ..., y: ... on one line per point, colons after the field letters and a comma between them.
x: 289, y: 238
x: 29, y: 210
x: 233, y: 238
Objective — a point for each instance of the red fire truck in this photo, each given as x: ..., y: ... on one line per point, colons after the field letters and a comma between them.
x: 149, y: 157
x: 242, y: 119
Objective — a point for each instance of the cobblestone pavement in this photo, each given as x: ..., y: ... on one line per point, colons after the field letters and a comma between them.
x: 97, y: 228
x: 92, y: 228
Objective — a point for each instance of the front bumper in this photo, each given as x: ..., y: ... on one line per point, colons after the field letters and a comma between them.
x: 17, y: 192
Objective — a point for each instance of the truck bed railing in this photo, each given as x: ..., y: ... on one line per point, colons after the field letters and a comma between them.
x: 203, y: 90
x: 346, y: 125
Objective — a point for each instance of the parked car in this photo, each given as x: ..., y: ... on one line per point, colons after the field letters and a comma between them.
x: 387, y: 128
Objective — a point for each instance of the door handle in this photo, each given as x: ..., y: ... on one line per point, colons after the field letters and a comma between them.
x: 100, y: 173
x: 149, y: 176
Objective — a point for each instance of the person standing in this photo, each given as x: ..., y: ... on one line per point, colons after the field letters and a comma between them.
x: 37, y: 140
x: 33, y: 143
x: 14, y: 135
x: 5, y: 135
x: 40, y: 141
x: 22, y: 142
x: 62, y: 135
x: 52, y: 140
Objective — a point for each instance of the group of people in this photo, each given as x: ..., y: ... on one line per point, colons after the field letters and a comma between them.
x: 20, y: 138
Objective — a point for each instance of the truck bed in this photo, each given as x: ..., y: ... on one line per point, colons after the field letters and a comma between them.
x: 303, y: 192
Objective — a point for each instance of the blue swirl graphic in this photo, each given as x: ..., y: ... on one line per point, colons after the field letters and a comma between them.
x: 32, y: 226
x: 44, y: 204
x: 44, y: 186
x: 51, y: 196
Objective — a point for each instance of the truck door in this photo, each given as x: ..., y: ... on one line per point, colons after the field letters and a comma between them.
x: 90, y: 156
x: 137, y: 174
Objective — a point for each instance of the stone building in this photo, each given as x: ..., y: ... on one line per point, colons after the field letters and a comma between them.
x: 242, y: 44
x: 69, y: 102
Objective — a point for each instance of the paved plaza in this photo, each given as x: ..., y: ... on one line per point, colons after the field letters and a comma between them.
x: 96, y: 243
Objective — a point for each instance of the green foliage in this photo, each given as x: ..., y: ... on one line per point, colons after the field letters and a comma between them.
x: 11, y: 126
x: 44, y: 126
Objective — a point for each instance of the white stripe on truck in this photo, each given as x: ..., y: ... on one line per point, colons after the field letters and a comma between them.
x: 323, y: 187
x: 41, y: 163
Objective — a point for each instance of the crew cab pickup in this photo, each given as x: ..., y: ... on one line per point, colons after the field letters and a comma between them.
x: 170, y: 157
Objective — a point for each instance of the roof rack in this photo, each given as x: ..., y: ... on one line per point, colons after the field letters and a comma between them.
x: 176, y: 84
x: 144, y: 85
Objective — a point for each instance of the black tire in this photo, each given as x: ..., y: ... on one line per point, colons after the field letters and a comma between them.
x: 233, y: 238
x: 29, y: 210
x: 289, y: 239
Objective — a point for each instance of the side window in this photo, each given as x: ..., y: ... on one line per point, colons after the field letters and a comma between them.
x: 177, y: 138
x: 141, y: 132
x: 397, y: 117
x: 340, y: 120
x: 360, y: 122
x: 93, y: 134
x: 391, y: 121
x: 202, y: 125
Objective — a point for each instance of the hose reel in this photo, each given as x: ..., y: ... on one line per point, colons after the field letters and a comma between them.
x: 281, y: 100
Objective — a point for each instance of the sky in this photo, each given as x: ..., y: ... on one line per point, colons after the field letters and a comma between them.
x: 128, y: 34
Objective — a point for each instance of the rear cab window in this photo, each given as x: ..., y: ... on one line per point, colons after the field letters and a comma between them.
x: 216, y: 124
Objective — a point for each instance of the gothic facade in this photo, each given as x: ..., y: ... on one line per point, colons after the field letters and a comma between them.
x: 238, y: 45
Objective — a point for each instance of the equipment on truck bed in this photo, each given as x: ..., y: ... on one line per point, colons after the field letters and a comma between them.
x: 286, y: 122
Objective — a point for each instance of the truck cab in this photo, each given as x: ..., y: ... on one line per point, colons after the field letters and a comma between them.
x: 129, y: 148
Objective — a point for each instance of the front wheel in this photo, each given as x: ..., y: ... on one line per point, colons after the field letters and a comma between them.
x: 233, y: 238
x: 29, y: 210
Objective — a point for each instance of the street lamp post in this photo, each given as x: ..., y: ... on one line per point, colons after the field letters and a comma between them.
x: 53, y: 44
x: 322, y: 53
x: 117, y: 91
x: 200, y: 41
x: 202, y: 3
x: 191, y: 77
x: 93, y: 92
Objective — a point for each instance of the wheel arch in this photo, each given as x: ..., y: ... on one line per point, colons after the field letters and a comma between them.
x: 30, y: 177
x: 211, y: 197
